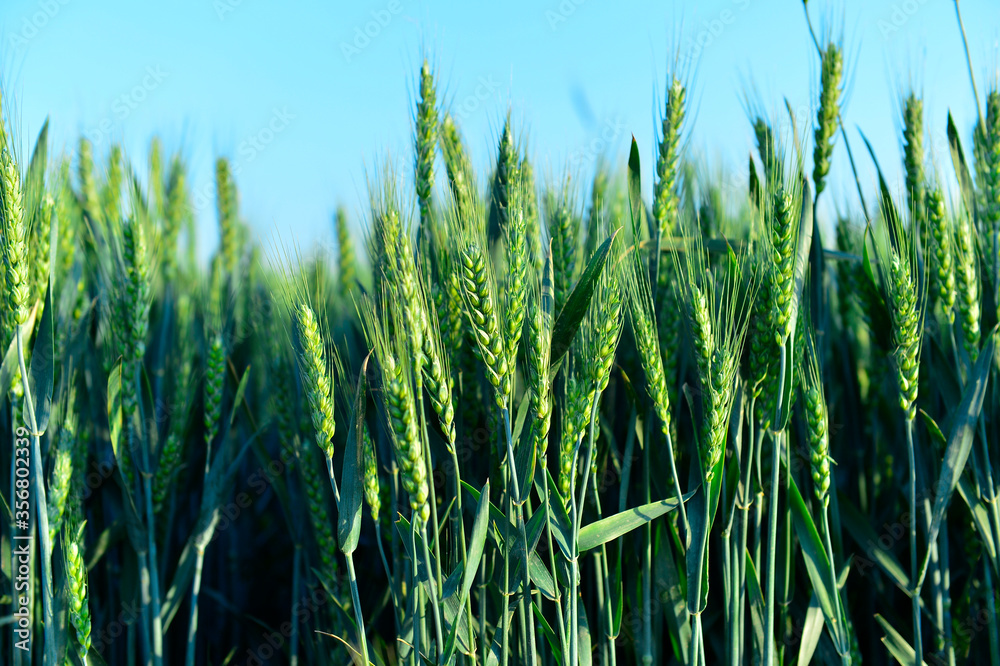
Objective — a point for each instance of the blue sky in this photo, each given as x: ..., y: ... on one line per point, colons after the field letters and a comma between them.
x: 307, y: 97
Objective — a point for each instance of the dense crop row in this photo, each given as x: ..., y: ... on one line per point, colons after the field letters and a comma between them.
x: 538, y: 422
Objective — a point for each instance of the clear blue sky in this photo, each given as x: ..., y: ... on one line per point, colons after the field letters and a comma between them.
x: 302, y: 103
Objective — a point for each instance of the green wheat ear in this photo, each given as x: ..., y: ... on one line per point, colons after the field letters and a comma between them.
x: 942, y: 233
x: 563, y: 221
x: 831, y: 80
x: 87, y: 182
x: 225, y: 193
x: 479, y: 290
x: 816, y: 424
x: 967, y: 274
x: 665, y: 194
x: 77, y: 588
x: 176, y: 210
x: 987, y: 154
x: 111, y: 194
x: 14, y: 243
x: 316, y: 377
x: 718, y: 301
x: 425, y: 143
x: 903, y: 284
x: 347, y: 262
x: 913, y: 155
x: 400, y: 406
x: 371, y: 485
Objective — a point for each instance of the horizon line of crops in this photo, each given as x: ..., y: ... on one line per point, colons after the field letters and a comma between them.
x: 587, y: 426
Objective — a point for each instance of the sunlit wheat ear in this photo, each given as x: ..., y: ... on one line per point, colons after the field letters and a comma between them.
x: 400, y: 407
x: 347, y: 261
x: 215, y: 376
x: 784, y: 226
x: 157, y: 195
x: 574, y: 416
x: 539, y: 345
x: 14, y: 244
x: 505, y: 177
x: 967, y: 283
x: 78, y: 596
x: 668, y: 157
x: 718, y: 301
x: 316, y: 379
x: 816, y: 423
x: 904, y: 286
x: 831, y: 90
x: 461, y: 177
x: 62, y: 468
x: 595, y: 347
x: 438, y: 377
x: 636, y: 280
x: 425, y: 143
x: 371, y: 484
x: 533, y: 222
x: 111, y: 192
x: 39, y: 255
x: 913, y: 154
x: 942, y: 232
x: 226, y: 207
x: 987, y: 153
x: 176, y: 211
x: 479, y: 291
x: 515, y: 283
x: 86, y: 179
x: 563, y: 224
x: 770, y: 153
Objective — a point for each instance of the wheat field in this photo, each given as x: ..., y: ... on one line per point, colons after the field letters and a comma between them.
x: 510, y: 419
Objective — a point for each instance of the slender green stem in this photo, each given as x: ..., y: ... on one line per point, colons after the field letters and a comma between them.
x: 432, y: 500
x: 914, y: 571
x: 991, y: 609
x: 521, y: 528
x: 772, y: 533
x: 154, y: 575
x: 505, y: 592
x: 560, y: 620
x: 949, y: 644
x: 786, y: 545
x: 841, y: 640
x: 293, y: 646
x: 358, y: 616
x: 647, y: 562
x: 195, y: 591
x: 463, y: 547
x: 604, y: 578
x: 578, y: 504
x: 416, y: 608
x: 483, y: 643
x: 38, y: 485
x: 755, y: 438
x: 694, y: 605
